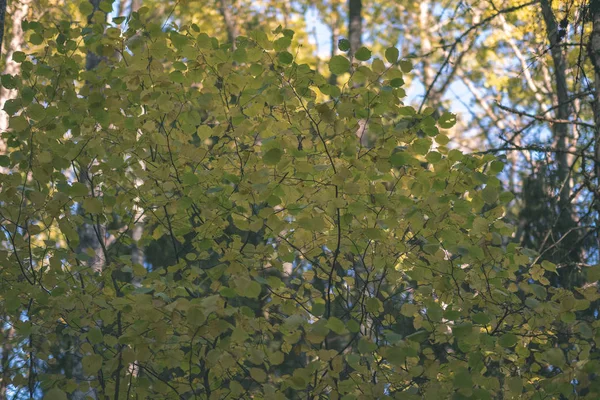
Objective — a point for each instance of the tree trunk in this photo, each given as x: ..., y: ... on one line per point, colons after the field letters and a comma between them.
x: 18, y: 12
x: 425, y: 43
x: 226, y: 11
x: 334, y: 44
x: 564, y: 227
x: 2, y: 15
x: 135, y: 5
x: 594, y: 53
x: 561, y: 131
x: 354, y: 25
x: 355, y: 38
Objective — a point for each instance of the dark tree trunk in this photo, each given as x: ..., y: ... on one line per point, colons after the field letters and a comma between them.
x: 561, y: 131
x: 594, y: 53
x: 567, y: 247
x: 354, y: 25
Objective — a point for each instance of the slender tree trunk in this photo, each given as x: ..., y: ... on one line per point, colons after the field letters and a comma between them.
x: 425, y: 43
x: 354, y: 25
x: 355, y: 38
x: 2, y: 15
x: 135, y: 5
x: 226, y: 11
x: 561, y: 131
x: 568, y: 251
x: 594, y: 54
x: 18, y: 11
x: 334, y: 44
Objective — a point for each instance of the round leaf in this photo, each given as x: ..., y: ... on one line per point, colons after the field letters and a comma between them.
x: 339, y: 65
x: 273, y: 156
x: 344, y: 44
x: 363, y: 54
x: 392, y: 54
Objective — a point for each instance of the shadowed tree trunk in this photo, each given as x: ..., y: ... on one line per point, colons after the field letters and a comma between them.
x: 354, y: 25
x: 594, y: 52
x: 561, y: 132
x: 564, y: 229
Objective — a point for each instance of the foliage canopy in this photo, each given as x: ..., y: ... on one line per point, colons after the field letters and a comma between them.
x: 309, y: 240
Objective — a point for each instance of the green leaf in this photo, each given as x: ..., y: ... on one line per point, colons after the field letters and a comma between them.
x: 92, y: 205
x: 92, y: 363
x: 363, y: 54
x: 365, y: 346
x: 344, y: 45
x: 447, y: 120
x: 548, y: 266
x: 397, y: 82
x: 86, y: 7
x: 55, y: 394
x: 339, y: 65
x: 419, y: 336
x: 285, y: 57
x: 253, y: 290
x: 353, y: 326
x: 258, y: 374
x: 555, y: 357
x: 78, y: 190
x: 336, y: 325
x: 19, y: 56
x: 508, y: 340
x: 490, y: 194
x: 496, y: 167
x: 399, y: 159
x: 105, y: 6
x: 374, y: 306
x: 95, y: 336
x: 282, y: 43
x: 392, y: 54
x: 273, y: 156
x: 463, y: 380
x: 515, y: 384
x: 539, y: 291
x: 406, y: 66
x: 506, y: 197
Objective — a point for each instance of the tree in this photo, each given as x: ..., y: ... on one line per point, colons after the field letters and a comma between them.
x: 403, y: 283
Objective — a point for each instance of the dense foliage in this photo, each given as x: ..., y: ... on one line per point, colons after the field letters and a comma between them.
x: 303, y: 239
